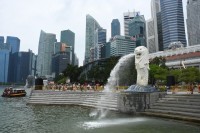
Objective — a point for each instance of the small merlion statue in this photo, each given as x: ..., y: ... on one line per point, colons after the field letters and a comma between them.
x: 142, y: 65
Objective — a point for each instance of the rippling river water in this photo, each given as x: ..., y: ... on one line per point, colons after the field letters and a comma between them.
x: 17, y: 117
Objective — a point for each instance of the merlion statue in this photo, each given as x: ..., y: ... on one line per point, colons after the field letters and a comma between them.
x: 142, y: 65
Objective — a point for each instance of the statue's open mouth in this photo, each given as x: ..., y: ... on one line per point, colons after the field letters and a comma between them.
x: 138, y: 54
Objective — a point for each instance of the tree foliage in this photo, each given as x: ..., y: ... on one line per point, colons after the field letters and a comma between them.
x: 190, y: 75
x: 72, y: 72
x: 157, y: 74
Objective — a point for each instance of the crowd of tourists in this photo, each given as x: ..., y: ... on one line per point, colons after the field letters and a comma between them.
x: 74, y: 87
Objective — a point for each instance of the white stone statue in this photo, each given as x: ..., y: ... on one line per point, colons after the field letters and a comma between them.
x: 142, y: 65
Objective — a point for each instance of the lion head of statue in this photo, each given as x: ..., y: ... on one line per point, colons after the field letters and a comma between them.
x: 141, y: 57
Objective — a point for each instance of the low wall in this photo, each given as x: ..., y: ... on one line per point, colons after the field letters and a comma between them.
x: 124, y: 102
x: 137, y: 102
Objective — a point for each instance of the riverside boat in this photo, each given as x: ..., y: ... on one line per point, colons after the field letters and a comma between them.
x: 14, y: 92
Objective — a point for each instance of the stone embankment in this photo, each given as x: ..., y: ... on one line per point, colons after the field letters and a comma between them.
x: 177, y: 106
x: 85, y: 98
x: 184, y: 107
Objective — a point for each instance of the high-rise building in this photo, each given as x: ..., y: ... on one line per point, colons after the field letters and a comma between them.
x: 173, y: 28
x: 193, y: 22
x: 122, y: 45
x: 152, y: 28
x: 5, y: 50
x: 68, y: 37
x: 100, y: 40
x: 128, y: 16
x: 105, y: 50
x: 160, y: 33
x: 137, y: 29
x: 45, y: 52
x: 60, y: 62
x: 115, y: 27
x: 150, y: 35
x: 14, y: 43
x: 1, y: 40
x: 61, y: 58
x: 76, y: 61
x: 22, y: 64
x: 91, y: 27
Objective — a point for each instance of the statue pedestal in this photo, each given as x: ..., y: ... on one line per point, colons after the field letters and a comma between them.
x: 138, y: 88
x: 138, y: 99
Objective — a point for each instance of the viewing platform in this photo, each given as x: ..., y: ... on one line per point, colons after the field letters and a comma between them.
x: 84, y: 98
x: 179, y: 106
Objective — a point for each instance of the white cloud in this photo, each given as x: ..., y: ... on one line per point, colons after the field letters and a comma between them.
x: 25, y: 18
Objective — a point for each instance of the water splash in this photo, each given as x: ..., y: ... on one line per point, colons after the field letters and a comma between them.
x: 114, y: 76
x: 111, y: 85
x: 111, y: 122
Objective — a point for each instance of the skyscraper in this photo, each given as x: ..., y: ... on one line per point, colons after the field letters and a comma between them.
x: 122, y: 45
x: 45, y: 52
x: 193, y: 19
x: 61, y: 58
x: 91, y: 27
x: 68, y: 37
x: 14, y: 43
x: 152, y: 28
x: 150, y: 35
x: 173, y: 28
x: 115, y: 27
x: 100, y: 40
x: 137, y: 29
x: 5, y: 50
x: 1, y: 40
x: 128, y: 16
x: 22, y: 65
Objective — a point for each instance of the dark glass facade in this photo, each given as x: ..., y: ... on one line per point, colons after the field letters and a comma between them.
x: 115, y: 27
x: 160, y: 34
x: 173, y: 28
x: 14, y: 42
x: 60, y: 61
x: 1, y: 39
x: 68, y: 37
x: 4, y: 62
x: 105, y: 50
x: 21, y: 65
x: 137, y: 29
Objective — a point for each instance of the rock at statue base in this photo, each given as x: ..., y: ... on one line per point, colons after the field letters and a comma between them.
x: 138, y: 88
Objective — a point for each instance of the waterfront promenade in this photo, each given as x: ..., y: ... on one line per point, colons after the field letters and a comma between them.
x: 175, y: 105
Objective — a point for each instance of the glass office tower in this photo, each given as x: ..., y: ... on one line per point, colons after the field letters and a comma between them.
x: 45, y: 52
x: 115, y: 27
x: 173, y: 28
x: 91, y: 26
x: 137, y: 30
x: 68, y: 37
x: 5, y: 50
x: 14, y: 43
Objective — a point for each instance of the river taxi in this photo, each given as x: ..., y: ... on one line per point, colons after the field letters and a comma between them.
x: 14, y: 92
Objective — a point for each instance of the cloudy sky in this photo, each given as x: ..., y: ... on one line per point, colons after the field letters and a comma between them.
x: 26, y: 18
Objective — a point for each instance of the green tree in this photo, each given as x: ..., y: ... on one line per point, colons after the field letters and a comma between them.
x: 176, y: 73
x: 190, y: 75
x: 73, y: 72
x: 160, y: 61
x: 157, y: 74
